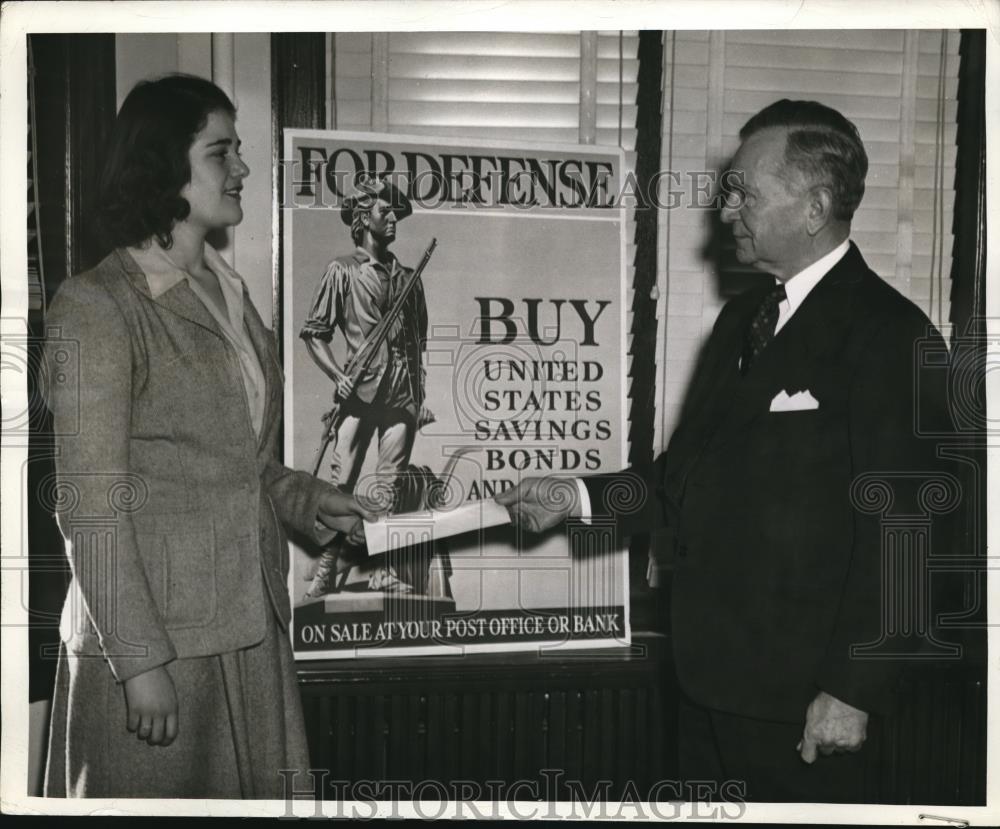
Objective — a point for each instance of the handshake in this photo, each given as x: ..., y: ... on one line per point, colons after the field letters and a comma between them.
x: 539, y: 504
x: 343, y: 512
x: 535, y: 505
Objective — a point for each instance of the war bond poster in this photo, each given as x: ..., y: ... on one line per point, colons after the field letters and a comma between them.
x: 453, y: 321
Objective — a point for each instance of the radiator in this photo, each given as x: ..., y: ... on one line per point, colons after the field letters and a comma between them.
x: 566, y: 725
x: 558, y: 724
x: 932, y: 750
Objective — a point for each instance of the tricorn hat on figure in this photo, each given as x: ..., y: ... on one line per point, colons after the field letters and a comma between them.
x: 369, y: 189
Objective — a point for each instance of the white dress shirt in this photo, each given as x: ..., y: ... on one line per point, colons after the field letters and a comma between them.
x: 797, y: 288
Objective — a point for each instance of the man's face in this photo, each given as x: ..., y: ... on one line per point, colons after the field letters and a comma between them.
x: 382, y: 222
x: 767, y: 209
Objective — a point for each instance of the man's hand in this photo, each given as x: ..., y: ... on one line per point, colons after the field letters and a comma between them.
x: 831, y: 727
x: 152, y: 707
x: 539, y: 504
x: 341, y: 511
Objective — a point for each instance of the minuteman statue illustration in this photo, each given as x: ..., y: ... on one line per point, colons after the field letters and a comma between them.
x: 356, y: 295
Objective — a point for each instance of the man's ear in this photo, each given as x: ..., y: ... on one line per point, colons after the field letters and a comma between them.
x: 819, y: 209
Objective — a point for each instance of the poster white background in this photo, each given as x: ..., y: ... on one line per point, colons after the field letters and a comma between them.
x: 487, y: 255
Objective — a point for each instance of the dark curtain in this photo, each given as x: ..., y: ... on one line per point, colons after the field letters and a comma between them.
x: 968, y: 342
x: 74, y: 108
x: 298, y: 99
x: 645, y: 607
x: 968, y: 267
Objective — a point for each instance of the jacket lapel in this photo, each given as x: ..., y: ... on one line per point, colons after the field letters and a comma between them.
x: 263, y: 344
x: 708, y: 399
x: 179, y: 299
x: 812, y: 338
x: 718, y: 376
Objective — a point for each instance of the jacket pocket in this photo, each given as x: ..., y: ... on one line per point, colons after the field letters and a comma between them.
x: 189, y: 579
x: 807, y: 437
x: 157, y: 461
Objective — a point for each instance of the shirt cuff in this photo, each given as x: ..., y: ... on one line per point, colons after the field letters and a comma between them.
x: 585, y: 513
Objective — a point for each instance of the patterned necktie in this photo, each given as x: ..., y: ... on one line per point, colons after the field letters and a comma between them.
x: 761, y: 330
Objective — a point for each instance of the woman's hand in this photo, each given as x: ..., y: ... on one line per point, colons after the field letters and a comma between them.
x: 152, y: 706
x: 341, y: 511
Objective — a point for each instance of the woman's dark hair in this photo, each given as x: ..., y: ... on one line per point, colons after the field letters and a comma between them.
x: 148, y: 161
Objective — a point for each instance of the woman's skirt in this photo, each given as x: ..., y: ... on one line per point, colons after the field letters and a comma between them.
x: 240, y: 729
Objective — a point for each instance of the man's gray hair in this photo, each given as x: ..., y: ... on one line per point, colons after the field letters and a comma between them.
x: 823, y: 145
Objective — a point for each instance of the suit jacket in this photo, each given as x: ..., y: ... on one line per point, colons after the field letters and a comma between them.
x: 778, y: 572
x: 171, y: 507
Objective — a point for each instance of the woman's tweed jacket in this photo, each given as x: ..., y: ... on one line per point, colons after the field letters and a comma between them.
x: 170, y: 506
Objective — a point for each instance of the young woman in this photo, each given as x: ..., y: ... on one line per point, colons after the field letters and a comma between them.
x: 176, y: 678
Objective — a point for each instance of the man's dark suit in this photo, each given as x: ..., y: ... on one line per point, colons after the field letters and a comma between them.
x: 777, y: 573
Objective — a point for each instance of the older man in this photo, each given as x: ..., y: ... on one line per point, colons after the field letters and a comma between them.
x: 804, y: 385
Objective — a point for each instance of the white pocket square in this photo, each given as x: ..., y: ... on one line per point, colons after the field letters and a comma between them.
x: 801, y: 401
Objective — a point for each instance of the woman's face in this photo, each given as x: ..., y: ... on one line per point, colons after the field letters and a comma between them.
x: 217, y: 174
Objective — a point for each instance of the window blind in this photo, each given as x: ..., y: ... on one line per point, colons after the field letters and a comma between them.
x: 516, y: 86
x: 499, y: 85
x: 935, y: 139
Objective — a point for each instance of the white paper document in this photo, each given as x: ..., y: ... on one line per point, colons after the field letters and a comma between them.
x: 406, y: 529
